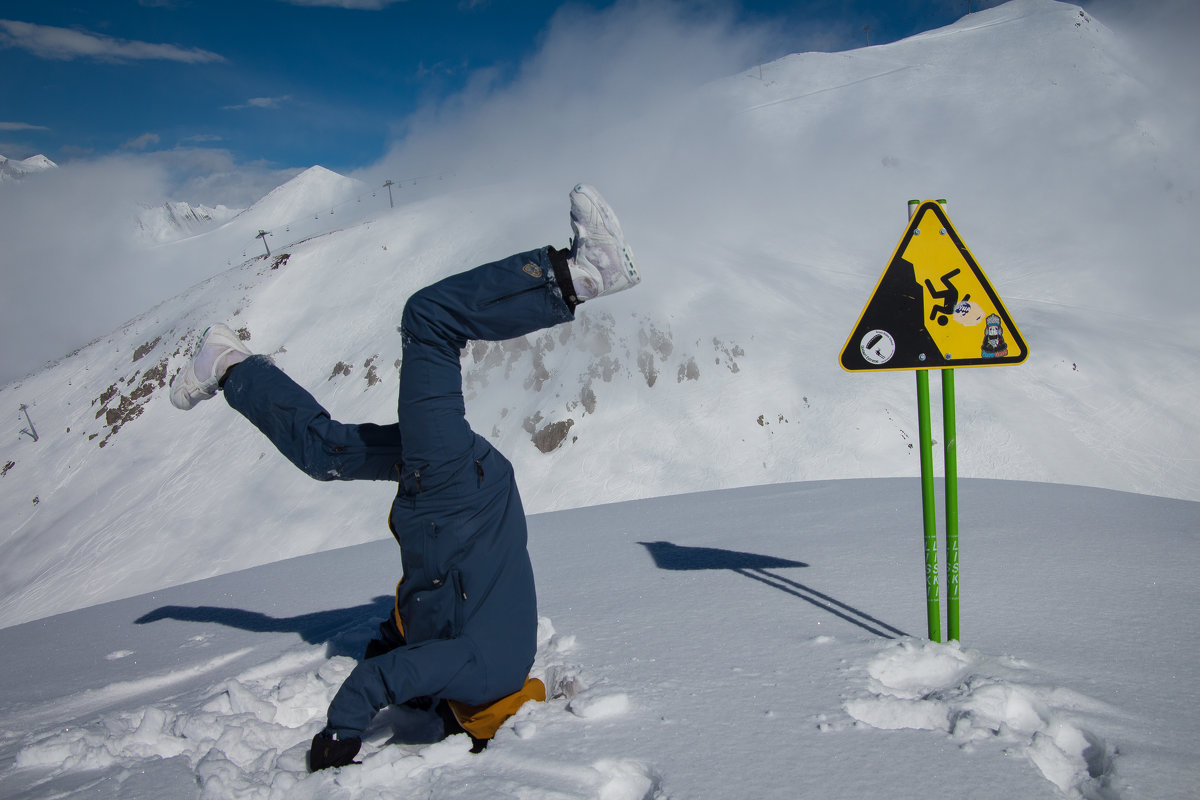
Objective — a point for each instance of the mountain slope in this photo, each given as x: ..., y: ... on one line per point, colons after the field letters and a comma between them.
x: 755, y: 632
x: 762, y: 212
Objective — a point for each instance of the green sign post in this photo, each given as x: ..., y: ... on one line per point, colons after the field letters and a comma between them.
x: 933, y: 308
x: 950, y: 460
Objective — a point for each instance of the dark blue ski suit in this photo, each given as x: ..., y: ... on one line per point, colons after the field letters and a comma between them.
x: 466, y: 601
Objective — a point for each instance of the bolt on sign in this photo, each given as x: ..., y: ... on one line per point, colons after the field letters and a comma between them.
x: 933, y: 308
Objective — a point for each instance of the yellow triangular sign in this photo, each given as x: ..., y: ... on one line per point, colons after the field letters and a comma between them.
x: 933, y: 307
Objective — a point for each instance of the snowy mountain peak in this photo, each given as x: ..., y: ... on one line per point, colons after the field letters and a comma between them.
x: 314, y: 191
x: 15, y: 170
x: 170, y: 221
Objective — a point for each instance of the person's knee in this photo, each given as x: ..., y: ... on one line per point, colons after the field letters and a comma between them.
x: 419, y: 317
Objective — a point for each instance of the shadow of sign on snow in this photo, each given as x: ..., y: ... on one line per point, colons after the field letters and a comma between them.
x: 334, y: 628
x: 671, y: 556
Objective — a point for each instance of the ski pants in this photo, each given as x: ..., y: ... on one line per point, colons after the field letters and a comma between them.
x: 466, y: 604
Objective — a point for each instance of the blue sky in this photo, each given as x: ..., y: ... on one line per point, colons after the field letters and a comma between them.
x: 267, y: 86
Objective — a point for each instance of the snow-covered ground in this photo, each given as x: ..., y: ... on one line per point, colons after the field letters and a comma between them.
x: 685, y: 447
x: 756, y: 642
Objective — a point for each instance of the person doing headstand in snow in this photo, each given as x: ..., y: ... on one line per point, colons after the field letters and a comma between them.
x: 464, y: 626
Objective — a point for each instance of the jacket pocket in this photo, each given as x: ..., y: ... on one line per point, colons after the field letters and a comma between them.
x: 435, y: 613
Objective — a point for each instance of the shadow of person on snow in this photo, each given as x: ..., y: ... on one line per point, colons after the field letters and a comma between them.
x: 344, y: 631
x: 671, y: 556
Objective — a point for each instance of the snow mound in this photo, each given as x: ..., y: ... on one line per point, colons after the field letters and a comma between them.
x: 975, y: 698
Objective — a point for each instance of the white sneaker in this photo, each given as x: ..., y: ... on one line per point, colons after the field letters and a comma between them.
x: 219, y: 349
x: 600, y: 261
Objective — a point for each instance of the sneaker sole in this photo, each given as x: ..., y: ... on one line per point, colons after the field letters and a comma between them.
x: 628, y: 265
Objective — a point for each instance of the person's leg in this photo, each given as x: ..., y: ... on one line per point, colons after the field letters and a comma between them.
x: 501, y: 300
x: 289, y: 416
x: 304, y: 432
x: 430, y: 669
x: 441, y: 668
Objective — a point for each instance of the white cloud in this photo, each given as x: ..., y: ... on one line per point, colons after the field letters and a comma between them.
x: 65, y: 44
x: 141, y: 142
x: 70, y: 264
x: 21, y: 126
x: 440, y: 69
x: 69, y: 257
x: 261, y: 102
x: 620, y: 101
x: 210, y: 175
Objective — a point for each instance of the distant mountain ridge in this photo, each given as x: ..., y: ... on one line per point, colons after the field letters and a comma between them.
x: 290, y: 211
x: 174, y: 220
x: 15, y: 170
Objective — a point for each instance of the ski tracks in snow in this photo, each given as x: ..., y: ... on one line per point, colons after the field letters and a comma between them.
x: 975, y: 699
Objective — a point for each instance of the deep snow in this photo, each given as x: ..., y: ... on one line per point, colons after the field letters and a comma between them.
x: 742, y: 643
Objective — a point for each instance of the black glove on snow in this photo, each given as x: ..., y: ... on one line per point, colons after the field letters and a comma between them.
x: 329, y: 752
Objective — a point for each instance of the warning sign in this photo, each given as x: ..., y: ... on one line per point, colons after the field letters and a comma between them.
x: 933, y: 308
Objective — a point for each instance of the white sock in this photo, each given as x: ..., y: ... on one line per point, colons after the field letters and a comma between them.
x: 585, y: 283
x: 212, y: 360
